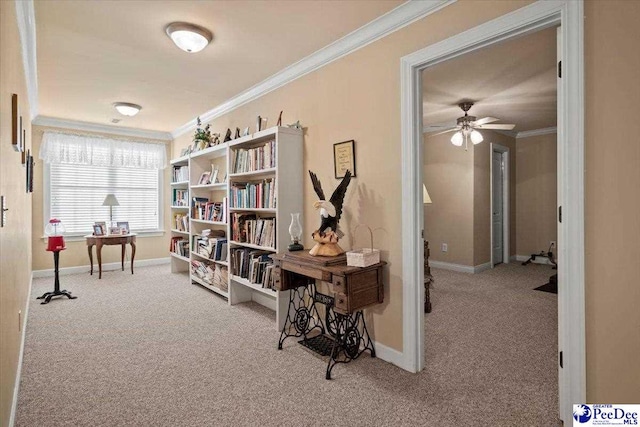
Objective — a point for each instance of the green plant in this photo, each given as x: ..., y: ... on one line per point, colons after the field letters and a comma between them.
x: 202, y: 134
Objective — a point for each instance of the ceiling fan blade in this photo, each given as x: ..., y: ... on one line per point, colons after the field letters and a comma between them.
x: 498, y: 127
x: 485, y: 120
x: 444, y: 131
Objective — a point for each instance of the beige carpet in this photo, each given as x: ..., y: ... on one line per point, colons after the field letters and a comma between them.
x: 151, y: 350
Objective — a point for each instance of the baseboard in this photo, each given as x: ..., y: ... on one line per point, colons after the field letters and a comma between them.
x: 482, y: 267
x: 459, y: 267
x: 390, y: 355
x: 538, y: 260
x: 16, y: 387
x: 105, y: 267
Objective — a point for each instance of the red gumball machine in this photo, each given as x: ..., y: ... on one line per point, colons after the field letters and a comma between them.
x: 55, y: 243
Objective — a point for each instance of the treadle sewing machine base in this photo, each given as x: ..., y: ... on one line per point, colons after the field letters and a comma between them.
x: 343, y: 335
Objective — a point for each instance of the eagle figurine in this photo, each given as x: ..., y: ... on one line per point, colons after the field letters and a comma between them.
x: 327, y: 235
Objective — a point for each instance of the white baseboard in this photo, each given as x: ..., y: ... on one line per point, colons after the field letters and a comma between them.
x: 538, y: 260
x: 16, y: 386
x: 459, y: 267
x: 105, y: 267
x: 390, y: 355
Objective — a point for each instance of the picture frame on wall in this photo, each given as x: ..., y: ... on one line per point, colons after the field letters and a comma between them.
x: 28, y: 173
x: 344, y: 158
x: 15, y: 123
x: 31, y: 171
x: 24, y: 151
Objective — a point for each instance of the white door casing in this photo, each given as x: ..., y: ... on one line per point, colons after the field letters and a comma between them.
x: 571, y: 309
x: 500, y: 250
x: 496, y: 207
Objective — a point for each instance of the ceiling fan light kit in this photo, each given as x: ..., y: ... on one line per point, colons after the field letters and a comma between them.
x: 467, y: 127
x: 189, y: 37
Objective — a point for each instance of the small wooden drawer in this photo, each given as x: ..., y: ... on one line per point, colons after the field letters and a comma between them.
x: 307, y: 271
x: 339, y: 285
x: 342, y: 303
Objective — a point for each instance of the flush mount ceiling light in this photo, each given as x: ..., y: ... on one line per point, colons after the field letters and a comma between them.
x: 189, y: 37
x: 127, y: 108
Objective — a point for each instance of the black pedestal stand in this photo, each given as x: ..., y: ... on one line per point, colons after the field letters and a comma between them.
x: 56, y: 290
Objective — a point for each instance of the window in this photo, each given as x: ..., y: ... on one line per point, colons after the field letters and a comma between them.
x: 76, y: 193
x: 82, y: 169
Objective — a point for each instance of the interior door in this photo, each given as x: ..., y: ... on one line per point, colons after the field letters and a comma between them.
x: 497, y: 210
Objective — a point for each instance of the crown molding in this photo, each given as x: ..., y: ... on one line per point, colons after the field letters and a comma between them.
x: 26, y: 18
x: 97, y: 127
x: 537, y: 132
x: 380, y: 27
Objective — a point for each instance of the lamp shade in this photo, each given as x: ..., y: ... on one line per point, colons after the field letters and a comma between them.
x: 476, y: 137
x: 425, y: 195
x: 110, y: 200
x: 457, y: 139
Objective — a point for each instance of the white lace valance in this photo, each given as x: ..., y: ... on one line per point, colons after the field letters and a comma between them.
x: 97, y: 151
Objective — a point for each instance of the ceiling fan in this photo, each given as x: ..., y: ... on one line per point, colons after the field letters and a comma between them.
x: 467, y: 127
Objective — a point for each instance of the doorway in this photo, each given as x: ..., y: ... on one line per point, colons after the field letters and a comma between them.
x: 571, y: 301
x: 500, y: 236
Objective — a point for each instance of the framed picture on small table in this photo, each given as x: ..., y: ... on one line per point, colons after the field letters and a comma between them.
x: 97, y: 230
x: 124, y: 227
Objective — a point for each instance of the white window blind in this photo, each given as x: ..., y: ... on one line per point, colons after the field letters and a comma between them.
x: 78, y: 191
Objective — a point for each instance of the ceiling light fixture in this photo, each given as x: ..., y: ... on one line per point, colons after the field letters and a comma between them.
x: 189, y: 37
x: 127, y: 109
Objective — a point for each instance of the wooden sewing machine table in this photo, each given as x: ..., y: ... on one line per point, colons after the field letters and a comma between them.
x: 343, y: 334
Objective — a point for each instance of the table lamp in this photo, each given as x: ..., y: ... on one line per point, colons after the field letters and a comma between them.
x: 110, y: 201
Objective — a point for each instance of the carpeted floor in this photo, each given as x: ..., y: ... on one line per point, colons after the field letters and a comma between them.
x: 151, y: 350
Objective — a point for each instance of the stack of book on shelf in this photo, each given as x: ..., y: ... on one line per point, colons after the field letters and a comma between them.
x: 180, y: 174
x: 211, y: 245
x: 204, y: 209
x: 180, y: 197
x: 212, y: 274
x: 247, y: 228
x: 254, y: 195
x: 253, y: 159
x: 253, y: 265
x: 180, y: 246
x: 181, y: 222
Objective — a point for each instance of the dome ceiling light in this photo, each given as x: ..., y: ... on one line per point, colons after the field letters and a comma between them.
x: 189, y: 37
x: 127, y: 109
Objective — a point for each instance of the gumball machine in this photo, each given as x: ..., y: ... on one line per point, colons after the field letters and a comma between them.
x: 55, y: 243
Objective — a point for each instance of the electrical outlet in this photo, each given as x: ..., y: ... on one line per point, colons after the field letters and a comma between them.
x: 552, y: 244
x: 445, y: 248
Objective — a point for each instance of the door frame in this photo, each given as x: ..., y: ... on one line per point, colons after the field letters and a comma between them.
x: 569, y: 14
x: 506, y: 202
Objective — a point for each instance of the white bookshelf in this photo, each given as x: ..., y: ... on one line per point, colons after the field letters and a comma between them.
x: 179, y: 263
x: 289, y: 178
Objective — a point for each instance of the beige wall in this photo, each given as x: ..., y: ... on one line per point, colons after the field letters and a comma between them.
x: 611, y: 201
x: 536, y: 193
x: 76, y: 253
x: 482, y: 195
x: 358, y: 97
x: 15, y: 237
x: 459, y: 184
x: 448, y: 175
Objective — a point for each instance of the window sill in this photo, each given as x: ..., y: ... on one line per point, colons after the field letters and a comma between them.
x: 140, y: 234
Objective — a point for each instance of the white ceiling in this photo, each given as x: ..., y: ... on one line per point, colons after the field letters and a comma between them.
x: 93, y: 53
x: 514, y: 81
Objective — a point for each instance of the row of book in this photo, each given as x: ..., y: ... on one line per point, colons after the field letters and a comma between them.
x: 204, y: 209
x: 214, y: 248
x: 253, y: 159
x: 180, y: 197
x: 248, y: 228
x: 254, y: 195
x: 212, y: 274
x: 181, y: 222
x: 180, y: 174
x: 180, y: 246
x: 253, y: 265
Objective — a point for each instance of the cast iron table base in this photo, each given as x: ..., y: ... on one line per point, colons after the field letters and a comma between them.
x: 56, y: 287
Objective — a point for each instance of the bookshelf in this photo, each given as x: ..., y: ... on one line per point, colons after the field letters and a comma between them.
x: 179, y: 215
x: 259, y: 184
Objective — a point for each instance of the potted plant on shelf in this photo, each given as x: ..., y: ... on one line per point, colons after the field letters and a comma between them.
x: 202, y: 136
